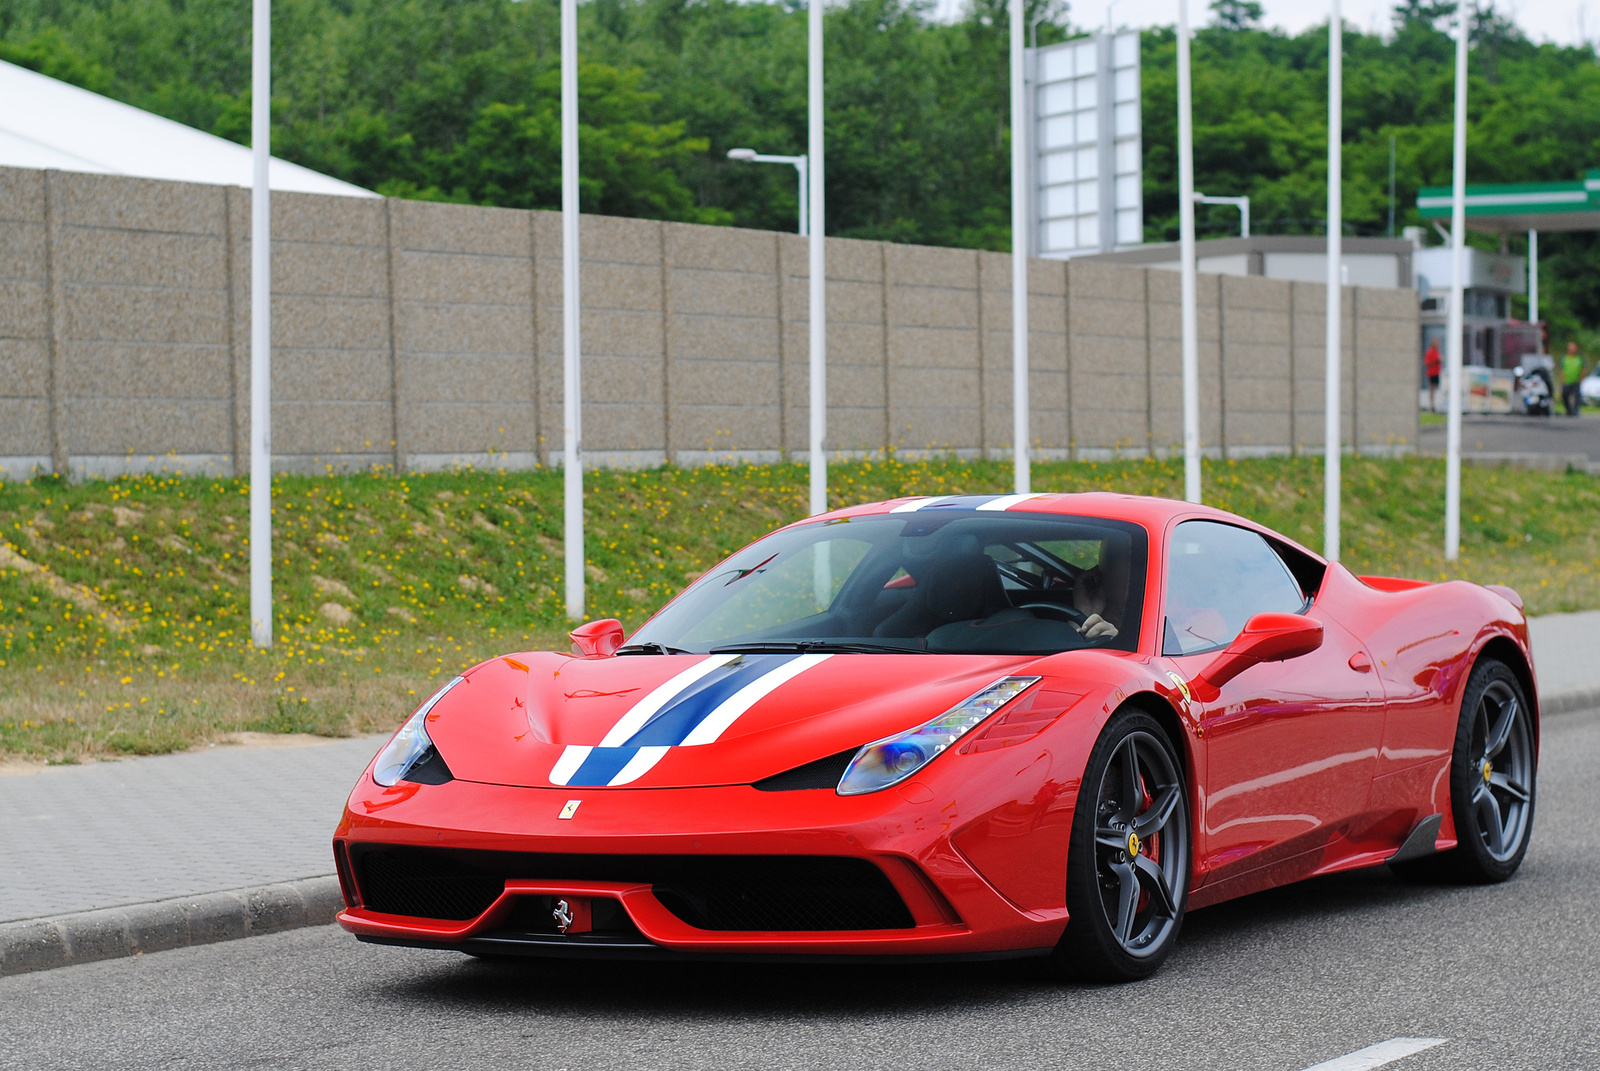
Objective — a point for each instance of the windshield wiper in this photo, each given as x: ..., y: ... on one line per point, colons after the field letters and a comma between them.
x: 812, y: 646
x: 650, y: 648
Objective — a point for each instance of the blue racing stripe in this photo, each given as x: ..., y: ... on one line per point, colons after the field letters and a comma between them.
x: 675, y: 721
x: 602, y: 764
x: 960, y: 502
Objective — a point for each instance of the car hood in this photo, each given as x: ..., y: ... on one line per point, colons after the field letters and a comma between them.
x: 674, y: 721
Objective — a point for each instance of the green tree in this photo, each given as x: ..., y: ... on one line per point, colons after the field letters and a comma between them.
x: 456, y: 99
x: 511, y: 154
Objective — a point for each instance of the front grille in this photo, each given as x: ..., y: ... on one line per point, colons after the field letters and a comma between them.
x: 785, y: 893
x: 711, y: 892
x: 424, y: 884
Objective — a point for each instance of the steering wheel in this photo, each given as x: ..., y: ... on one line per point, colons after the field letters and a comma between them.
x: 1066, y: 613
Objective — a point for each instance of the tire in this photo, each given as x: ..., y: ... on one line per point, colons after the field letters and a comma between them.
x: 1125, y: 913
x: 1493, y: 783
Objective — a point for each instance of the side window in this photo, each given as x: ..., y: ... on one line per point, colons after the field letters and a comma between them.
x: 1218, y: 578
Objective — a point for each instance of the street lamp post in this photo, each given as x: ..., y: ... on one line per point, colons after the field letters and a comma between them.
x: 261, y: 327
x: 1187, y: 284
x: 1458, y: 264
x: 800, y: 163
x: 1332, y: 406
x: 571, y: 332
x: 817, y: 259
x: 1021, y: 471
x: 1241, y: 203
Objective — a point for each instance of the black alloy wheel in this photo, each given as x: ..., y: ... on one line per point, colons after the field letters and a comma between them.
x: 1128, y: 863
x: 1493, y: 770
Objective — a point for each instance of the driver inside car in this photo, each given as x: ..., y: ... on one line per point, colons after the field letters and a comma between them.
x: 1102, y: 591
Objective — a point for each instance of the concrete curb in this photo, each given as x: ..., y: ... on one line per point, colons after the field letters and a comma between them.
x: 1529, y: 460
x: 42, y: 944
x: 1567, y: 702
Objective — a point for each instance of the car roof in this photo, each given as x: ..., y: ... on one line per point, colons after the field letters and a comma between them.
x: 1149, y: 511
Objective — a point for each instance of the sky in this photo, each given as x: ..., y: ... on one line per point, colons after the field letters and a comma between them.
x: 1566, y: 22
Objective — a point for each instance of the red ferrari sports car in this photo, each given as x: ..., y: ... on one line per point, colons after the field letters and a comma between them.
x: 960, y: 727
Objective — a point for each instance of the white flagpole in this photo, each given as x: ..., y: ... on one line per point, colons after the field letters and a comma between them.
x: 261, y: 326
x: 819, y: 292
x: 1332, y: 411
x: 1191, y: 341
x: 1019, y: 256
x: 572, y: 388
x: 1458, y: 266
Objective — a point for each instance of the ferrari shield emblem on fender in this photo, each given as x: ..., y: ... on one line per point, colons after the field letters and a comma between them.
x: 1183, y: 685
x: 570, y: 809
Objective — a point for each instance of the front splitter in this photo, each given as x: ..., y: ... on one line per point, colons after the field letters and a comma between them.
x: 539, y: 946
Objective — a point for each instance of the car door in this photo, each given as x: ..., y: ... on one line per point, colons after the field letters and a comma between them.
x: 1291, y: 746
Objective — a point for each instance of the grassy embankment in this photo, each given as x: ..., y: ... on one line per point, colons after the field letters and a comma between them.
x: 124, y: 604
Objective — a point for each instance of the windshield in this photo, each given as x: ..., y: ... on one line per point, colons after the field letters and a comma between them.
x: 955, y: 582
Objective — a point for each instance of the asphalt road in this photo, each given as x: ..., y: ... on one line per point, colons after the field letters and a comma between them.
x: 1520, y: 435
x: 1509, y: 974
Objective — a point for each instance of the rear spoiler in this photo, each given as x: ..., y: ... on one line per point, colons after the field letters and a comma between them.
x: 1392, y: 583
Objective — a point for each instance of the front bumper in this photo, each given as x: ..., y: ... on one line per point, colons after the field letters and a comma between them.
x: 910, y: 834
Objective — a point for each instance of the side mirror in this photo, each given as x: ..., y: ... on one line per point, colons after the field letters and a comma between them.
x: 598, y: 639
x: 1266, y: 638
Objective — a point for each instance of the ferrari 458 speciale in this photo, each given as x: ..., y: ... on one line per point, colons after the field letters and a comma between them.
x: 955, y: 727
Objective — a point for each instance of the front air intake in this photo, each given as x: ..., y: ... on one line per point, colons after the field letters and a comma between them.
x: 424, y: 884
x: 784, y: 893
x: 709, y: 892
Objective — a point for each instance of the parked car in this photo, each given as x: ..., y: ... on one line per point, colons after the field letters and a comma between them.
x: 1589, y: 387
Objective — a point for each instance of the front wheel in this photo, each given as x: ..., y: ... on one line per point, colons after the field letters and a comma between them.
x: 1128, y: 859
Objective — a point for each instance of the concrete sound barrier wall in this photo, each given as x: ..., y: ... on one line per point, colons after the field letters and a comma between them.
x: 421, y: 336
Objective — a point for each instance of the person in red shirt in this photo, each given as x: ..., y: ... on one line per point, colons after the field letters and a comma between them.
x: 1431, y: 362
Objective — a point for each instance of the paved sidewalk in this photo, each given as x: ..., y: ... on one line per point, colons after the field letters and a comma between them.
x: 107, y: 834
x: 189, y: 848
x: 1566, y: 652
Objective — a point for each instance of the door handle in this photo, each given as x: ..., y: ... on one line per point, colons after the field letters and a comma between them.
x: 1360, y: 662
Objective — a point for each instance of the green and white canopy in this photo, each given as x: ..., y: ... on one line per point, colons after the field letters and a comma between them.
x: 1522, y: 206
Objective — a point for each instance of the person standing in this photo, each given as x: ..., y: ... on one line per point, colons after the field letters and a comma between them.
x: 1571, y: 374
x: 1431, y: 363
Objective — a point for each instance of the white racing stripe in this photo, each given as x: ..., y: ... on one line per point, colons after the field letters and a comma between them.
x: 1005, y: 502
x: 568, y: 763
x: 729, y: 709
x: 640, y: 764
x: 1384, y: 1052
x: 646, y: 708
x: 912, y: 507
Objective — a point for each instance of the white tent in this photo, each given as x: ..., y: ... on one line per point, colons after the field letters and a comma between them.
x: 45, y: 123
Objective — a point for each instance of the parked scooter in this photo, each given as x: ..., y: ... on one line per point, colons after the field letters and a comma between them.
x: 1534, y: 392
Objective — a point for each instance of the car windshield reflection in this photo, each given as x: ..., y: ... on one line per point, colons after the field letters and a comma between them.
x: 928, y: 582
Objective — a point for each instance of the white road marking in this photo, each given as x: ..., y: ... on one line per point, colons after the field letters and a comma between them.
x: 1384, y: 1052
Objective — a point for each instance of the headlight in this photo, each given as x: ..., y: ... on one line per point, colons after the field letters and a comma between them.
x: 409, y: 745
x: 895, y: 758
